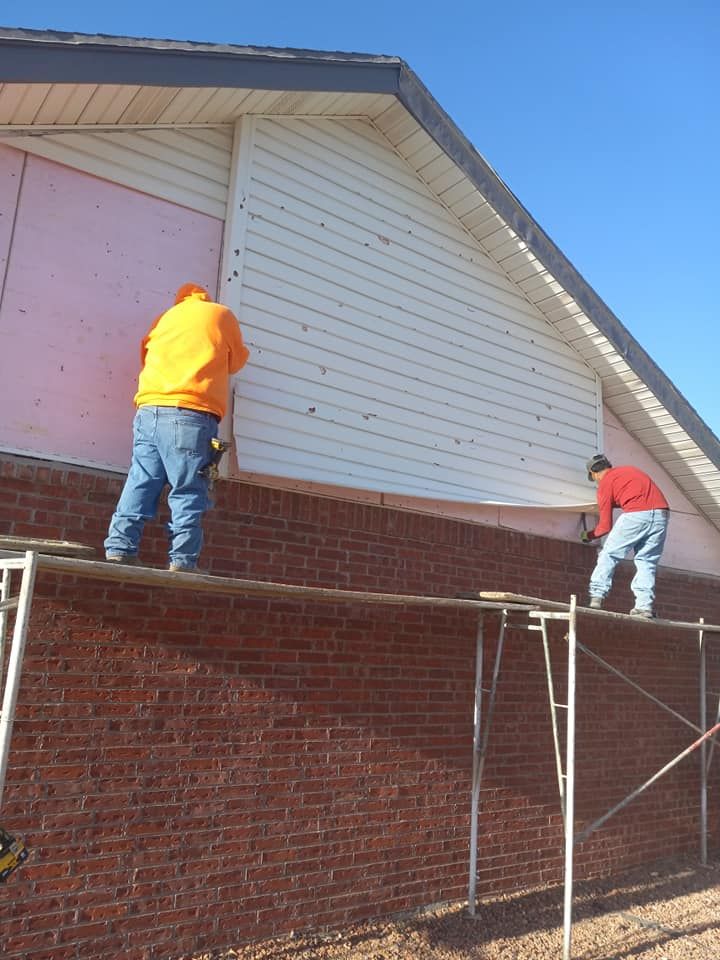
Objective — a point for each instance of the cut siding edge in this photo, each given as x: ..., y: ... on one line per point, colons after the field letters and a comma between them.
x: 356, y: 458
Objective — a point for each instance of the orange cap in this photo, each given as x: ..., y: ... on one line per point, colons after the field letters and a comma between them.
x: 190, y: 289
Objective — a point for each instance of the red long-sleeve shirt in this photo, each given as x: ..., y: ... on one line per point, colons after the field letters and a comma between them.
x: 627, y: 488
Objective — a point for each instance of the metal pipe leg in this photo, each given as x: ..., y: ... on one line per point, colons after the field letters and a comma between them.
x: 493, y: 691
x: 12, y: 682
x: 476, y: 772
x: 480, y: 744
x: 5, y: 585
x: 553, y: 714
x: 570, y: 780
x: 703, y: 751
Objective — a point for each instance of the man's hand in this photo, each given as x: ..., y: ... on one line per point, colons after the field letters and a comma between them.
x: 585, y: 537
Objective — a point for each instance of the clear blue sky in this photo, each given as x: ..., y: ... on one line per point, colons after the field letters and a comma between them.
x: 603, y: 118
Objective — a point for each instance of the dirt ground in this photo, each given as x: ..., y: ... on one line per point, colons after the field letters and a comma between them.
x: 669, y: 913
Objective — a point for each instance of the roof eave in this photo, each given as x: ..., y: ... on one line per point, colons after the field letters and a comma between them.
x: 421, y: 104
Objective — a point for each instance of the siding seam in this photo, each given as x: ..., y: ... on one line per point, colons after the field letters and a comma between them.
x: 12, y: 229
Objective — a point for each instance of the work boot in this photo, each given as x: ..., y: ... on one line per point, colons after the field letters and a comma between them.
x: 124, y: 558
x: 179, y: 568
x: 642, y: 612
x: 595, y: 603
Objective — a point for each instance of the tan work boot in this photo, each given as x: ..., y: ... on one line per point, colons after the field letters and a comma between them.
x: 179, y: 568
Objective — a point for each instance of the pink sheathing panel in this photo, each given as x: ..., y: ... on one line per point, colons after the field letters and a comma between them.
x: 92, y: 263
x: 11, y: 162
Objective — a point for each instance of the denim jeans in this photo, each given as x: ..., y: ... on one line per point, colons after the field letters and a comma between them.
x: 645, y: 533
x: 170, y: 446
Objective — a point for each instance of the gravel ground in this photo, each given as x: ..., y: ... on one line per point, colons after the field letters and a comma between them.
x: 671, y: 912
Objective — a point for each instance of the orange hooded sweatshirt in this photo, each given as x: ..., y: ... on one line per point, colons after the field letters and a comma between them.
x: 189, y: 353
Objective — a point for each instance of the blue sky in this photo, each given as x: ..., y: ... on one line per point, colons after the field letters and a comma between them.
x: 602, y: 117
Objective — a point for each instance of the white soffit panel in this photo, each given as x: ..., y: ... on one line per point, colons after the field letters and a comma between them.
x: 104, y: 104
x: 389, y: 351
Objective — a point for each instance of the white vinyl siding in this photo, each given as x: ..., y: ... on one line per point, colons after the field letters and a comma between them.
x: 389, y: 351
x: 187, y: 167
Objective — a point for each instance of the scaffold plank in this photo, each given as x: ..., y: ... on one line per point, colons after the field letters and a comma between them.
x: 519, y: 598
x: 206, y: 583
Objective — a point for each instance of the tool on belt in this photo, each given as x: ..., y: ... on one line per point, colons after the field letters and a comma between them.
x: 217, y: 449
x: 13, y: 852
x: 584, y: 533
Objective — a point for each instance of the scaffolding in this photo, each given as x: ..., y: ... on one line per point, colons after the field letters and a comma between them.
x: 515, y: 611
x: 539, y: 615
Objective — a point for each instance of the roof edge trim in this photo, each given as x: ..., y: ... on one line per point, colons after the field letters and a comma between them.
x: 417, y: 99
x: 27, y: 57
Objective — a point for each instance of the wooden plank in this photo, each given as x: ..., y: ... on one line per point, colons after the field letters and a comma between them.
x: 65, y: 548
x: 520, y: 598
x: 205, y: 583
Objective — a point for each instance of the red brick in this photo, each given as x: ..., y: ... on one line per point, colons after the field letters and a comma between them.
x: 175, y: 754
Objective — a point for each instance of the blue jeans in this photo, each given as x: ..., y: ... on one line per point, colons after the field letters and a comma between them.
x: 644, y: 532
x: 170, y: 446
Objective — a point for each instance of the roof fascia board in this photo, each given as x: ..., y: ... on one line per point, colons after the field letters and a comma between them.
x: 418, y: 101
x: 47, y: 61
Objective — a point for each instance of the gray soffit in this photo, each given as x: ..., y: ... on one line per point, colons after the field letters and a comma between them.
x: 28, y: 56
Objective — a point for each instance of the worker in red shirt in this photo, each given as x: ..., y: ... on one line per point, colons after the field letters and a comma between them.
x: 642, y: 527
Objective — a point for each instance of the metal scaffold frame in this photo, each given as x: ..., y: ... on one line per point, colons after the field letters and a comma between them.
x: 566, y: 773
x: 535, y: 613
x: 11, y: 680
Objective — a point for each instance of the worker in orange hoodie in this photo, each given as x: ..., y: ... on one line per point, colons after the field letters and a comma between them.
x: 186, y: 362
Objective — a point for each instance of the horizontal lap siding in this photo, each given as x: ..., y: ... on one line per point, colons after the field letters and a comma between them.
x: 189, y: 168
x: 388, y: 350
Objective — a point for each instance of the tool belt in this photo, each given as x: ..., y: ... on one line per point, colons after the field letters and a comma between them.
x: 217, y: 449
x: 13, y: 852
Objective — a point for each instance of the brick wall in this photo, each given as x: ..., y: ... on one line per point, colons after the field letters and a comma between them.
x: 191, y: 772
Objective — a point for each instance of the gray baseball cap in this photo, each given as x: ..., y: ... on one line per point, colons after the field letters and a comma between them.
x: 596, y: 464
